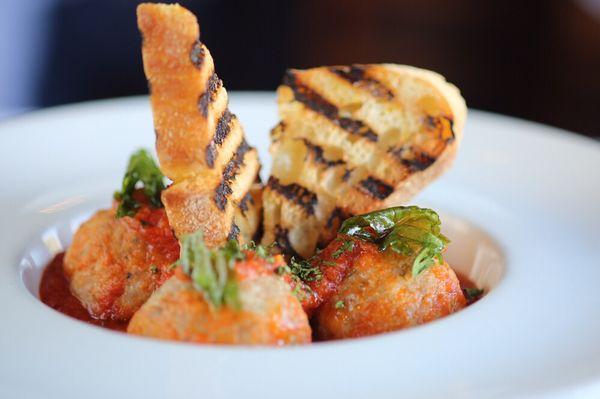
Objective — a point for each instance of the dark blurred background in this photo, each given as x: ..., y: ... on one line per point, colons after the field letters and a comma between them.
x: 536, y: 59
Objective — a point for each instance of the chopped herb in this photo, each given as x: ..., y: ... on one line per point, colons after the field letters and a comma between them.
x: 305, y: 270
x: 407, y: 230
x: 301, y: 290
x: 297, y: 291
x: 142, y: 171
x: 328, y: 263
x: 211, y: 270
x: 340, y: 305
x: 249, y: 246
x: 348, y: 245
x: 154, y: 269
x: 260, y: 250
x: 472, y: 294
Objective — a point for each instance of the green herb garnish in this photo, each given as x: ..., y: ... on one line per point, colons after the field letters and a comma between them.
x: 472, y: 294
x: 304, y: 270
x: 348, y: 245
x: 212, y: 270
x: 154, y: 269
x: 340, y: 305
x: 407, y: 230
x: 142, y: 171
x: 300, y: 273
x: 260, y: 250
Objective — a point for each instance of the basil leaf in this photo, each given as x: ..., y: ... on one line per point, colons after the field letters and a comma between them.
x: 407, y: 230
x: 141, y: 171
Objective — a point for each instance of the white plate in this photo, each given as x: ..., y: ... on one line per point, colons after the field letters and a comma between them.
x: 521, y: 205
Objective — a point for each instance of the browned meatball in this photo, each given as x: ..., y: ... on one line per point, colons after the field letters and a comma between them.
x: 379, y: 292
x: 115, y: 264
x: 269, y: 313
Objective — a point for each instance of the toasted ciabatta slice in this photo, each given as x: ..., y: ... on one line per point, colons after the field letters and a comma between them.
x: 200, y: 143
x: 353, y: 139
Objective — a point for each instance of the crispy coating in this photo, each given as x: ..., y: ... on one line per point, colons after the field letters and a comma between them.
x: 379, y: 294
x: 113, y: 265
x: 199, y: 142
x: 270, y: 314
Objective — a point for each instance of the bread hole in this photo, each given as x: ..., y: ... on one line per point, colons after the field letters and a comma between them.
x: 390, y: 137
x: 288, y: 160
x: 333, y: 153
x: 348, y: 110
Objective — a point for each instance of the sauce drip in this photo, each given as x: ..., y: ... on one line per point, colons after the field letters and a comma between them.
x: 55, y: 292
x: 466, y: 283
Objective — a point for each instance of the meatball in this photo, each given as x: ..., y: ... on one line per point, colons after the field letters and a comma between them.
x: 375, y: 291
x: 319, y: 277
x: 113, y: 265
x: 269, y: 313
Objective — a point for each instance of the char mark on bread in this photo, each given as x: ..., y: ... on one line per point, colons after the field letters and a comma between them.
x: 260, y: 229
x: 295, y: 193
x: 245, y: 201
x: 357, y: 128
x: 283, y: 242
x: 223, y: 127
x: 308, y: 97
x: 357, y: 76
x: 421, y: 162
x: 314, y: 101
x: 223, y: 190
x: 234, y: 232
x: 212, y: 86
x: 197, y: 54
x: 436, y: 122
x: 376, y: 188
x: 413, y: 159
x: 317, y: 154
x: 221, y: 132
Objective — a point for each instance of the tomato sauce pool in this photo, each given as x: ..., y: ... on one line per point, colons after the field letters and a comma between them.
x: 55, y: 292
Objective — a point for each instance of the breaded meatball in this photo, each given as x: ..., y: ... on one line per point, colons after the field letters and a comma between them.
x: 375, y: 291
x: 113, y: 265
x: 268, y: 313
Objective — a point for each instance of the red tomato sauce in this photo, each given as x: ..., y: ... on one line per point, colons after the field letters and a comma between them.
x: 466, y: 283
x: 55, y: 292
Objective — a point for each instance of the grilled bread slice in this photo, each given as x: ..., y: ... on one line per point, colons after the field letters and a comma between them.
x: 200, y: 143
x: 354, y: 139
